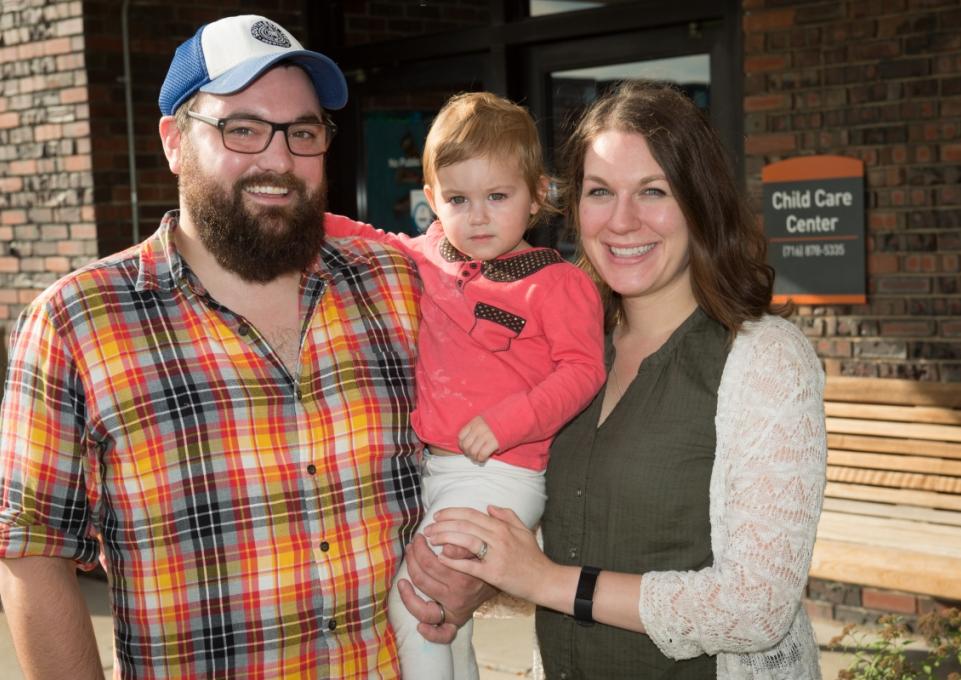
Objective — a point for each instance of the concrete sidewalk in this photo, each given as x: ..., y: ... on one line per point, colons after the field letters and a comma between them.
x: 504, y: 646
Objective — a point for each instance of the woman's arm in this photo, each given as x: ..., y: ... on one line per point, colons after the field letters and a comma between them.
x: 766, y: 493
x: 515, y: 564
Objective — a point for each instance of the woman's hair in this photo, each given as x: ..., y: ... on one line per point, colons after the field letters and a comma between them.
x: 482, y: 124
x: 730, y: 276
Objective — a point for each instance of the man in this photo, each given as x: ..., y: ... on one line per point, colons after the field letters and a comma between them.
x: 221, y: 413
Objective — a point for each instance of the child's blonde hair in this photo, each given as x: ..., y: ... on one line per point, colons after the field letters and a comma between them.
x: 482, y: 124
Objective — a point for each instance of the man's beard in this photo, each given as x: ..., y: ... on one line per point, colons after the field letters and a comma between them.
x: 260, y: 246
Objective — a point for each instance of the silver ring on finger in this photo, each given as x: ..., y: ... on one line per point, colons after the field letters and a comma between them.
x: 443, y: 615
x: 482, y: 552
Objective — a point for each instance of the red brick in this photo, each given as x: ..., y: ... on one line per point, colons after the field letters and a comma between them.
x: 73, y: 95
x: 42, y: 133
x: 921, y: 264
x: 70, y: 248
x: 765, y: 64
x: 60, y: 265
x: 770, y: 144
x: 13, y: 217
x: 819, y: 610
x: 951, y: 329
x: 9, y: 120
x: 765, y: 102
x: 83, y: 231
x: 882, y: 263
x: 951, y: 152
x: 907, y: 329
x: 888, y: 601
x: 11, y: 184
x: 27, y: 295
x: 28, y: 167
x: 9, y: 265
x: 76, y: 163
x: 766, y: 20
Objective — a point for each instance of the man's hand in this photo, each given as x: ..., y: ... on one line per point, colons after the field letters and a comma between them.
x: 477, y: 441
x: 459, y: 593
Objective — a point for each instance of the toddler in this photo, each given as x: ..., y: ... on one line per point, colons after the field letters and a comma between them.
x: 510, y: 345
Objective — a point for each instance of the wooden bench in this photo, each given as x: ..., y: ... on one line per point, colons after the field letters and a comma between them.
x: 892, y: 508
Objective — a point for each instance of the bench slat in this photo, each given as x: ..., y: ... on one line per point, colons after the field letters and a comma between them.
x: 881, y: 567
x: 904, y: 480
x: 899, y: 430
x: 909, y: 512
x: 879, y: 461
x: 905, y: 392
x: 905, y: 414
x: 930, y: 539
x: 926, y: 499
x: 902, y: 446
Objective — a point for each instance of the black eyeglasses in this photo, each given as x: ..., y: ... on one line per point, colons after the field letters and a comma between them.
x: 253, y: 135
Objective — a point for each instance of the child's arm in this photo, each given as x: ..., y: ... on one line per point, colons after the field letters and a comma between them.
x: 338, y: 226
x: 572, y: 317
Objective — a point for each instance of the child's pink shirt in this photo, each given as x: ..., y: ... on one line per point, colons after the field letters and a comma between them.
x: 517, y: 340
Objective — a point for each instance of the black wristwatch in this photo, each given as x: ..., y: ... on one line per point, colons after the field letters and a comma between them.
x: 584, y: 597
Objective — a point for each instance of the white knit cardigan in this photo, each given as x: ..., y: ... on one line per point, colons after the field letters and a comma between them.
x: 766, y: 490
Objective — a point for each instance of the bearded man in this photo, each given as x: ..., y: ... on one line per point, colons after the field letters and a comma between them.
x: 220, y: 414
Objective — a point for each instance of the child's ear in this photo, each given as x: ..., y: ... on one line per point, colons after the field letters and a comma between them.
x: 429, y: 194
x: 543, y: 186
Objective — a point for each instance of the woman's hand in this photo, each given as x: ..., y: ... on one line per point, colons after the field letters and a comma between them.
x: 512, y: 560
x: 459, y: 593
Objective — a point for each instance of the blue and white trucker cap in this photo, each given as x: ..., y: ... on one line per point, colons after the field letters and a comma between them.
x: 226, y: 56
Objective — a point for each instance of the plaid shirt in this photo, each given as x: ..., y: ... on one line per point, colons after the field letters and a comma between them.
x: 250, y: 521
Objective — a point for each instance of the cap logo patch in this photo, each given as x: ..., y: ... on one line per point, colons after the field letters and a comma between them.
x: 270, y: 33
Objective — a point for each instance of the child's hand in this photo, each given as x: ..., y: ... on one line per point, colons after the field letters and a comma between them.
x: 477, y: 441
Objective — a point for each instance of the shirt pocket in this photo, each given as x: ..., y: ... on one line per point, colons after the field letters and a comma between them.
x: 495, y: 328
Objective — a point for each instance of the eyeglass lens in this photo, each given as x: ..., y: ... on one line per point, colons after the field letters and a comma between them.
x: 253, y: 136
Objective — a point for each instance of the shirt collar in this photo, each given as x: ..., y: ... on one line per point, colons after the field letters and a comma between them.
x: 162, y: 267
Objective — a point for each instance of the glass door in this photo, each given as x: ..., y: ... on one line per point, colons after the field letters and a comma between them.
x: 563, y: 78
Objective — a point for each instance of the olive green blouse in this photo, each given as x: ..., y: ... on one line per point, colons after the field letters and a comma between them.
x: 632, y: 496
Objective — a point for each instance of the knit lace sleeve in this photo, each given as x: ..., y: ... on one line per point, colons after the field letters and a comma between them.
x: 766, y: 492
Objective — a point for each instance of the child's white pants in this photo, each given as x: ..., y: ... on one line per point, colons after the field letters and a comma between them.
x: 458, y: 482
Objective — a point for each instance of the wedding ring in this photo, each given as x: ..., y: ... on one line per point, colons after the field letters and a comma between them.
x: 483, y: 551
x: 443, y: 615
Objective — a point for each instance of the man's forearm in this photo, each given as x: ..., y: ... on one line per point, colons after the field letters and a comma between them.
x: 48, y: 619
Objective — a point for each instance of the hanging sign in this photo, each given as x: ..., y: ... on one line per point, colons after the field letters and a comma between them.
x: 814, y: 222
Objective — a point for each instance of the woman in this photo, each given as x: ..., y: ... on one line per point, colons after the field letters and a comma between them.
x: 683, y: 503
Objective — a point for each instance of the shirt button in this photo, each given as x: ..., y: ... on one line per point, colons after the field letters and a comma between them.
x: 243, y: 329
x: 299, y: 394
x: 311, y: 469
x: 332, y: 624
x: 325, y: 546
x: 573, y: 553
x: 460, y: 284
x: 465, y: 273
x: 579, y: 493
x: 473, y: 265
x: 564, y: 675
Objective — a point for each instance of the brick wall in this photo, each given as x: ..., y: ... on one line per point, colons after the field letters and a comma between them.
x: 879, y: 80
x: 46, y: 201
x: 852, y: 603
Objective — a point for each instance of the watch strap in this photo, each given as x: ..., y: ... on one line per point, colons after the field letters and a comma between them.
x: 584, y: 596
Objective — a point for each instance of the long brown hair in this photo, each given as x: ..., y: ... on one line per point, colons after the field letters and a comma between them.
x: 730, y: 276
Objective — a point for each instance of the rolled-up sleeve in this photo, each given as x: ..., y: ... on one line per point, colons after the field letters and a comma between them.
x: 44, y: 508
